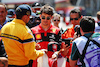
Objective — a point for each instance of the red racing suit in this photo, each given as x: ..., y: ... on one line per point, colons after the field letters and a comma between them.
x: 68, y: 33
x: 43, y: 37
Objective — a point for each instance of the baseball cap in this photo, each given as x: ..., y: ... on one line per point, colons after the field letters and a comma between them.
x: 11, y: 12
x: 33, y: 15
x: 36, y: 5
x: 23, y: 10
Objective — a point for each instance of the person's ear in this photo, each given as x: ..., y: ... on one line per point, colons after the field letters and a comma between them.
x: 81, y: 16
x: 51, y: 17
x: 81, y: 31
x: 6, y: 13
x: 40, y: 16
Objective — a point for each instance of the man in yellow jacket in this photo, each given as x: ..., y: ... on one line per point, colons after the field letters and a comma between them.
x: 18, y: 39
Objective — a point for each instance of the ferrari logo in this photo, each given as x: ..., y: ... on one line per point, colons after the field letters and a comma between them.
x: 54, y: 30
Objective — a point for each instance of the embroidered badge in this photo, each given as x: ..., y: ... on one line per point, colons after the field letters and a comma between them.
x: 38, y: 36
x: 54, y: 30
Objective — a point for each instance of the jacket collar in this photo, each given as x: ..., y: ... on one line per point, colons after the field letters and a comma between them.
x: 19, y: 21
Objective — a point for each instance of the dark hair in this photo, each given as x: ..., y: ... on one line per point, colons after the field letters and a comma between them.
x: 87, y: 23
x: 4, y: 5
x: 47, y: 9
x: 19, y: 16
x: 76, y: 11
x: 98, y: 15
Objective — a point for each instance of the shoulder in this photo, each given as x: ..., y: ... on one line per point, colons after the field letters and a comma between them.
x: 65, y: 31
x: 80, y: 43
x: 97, y: 34
x: 96, y: 37
x: 80, y: 39
x: 7, y: 25
x: 52, y: 27
x: 35, y: 28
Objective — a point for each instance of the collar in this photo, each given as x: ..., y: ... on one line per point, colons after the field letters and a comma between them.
x: 43, y: 29
x: 88, y: 35
x: 19, y: 21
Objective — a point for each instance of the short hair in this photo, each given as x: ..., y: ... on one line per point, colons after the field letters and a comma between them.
x: 47, y: 9
x: 19, y: 16
x: 76, y: 11
x: 56, y: 15
x: 98, y: 15
x: 87, y: 23
x: 4, y: 5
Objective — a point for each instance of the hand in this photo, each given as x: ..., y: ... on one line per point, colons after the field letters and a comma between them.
x: 65, y: 49
x: 55, y: 55
x: 44, y: 50
x: 37, y: 46
x: 75, y: 35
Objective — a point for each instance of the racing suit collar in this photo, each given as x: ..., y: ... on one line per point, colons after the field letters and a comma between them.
x: 42, y: 28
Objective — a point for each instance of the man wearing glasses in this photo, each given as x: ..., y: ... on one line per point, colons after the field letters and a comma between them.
x: 45, y: 32
x: 75, y: 16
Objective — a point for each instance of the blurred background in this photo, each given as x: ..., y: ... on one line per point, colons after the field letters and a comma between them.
x: 63, y: 7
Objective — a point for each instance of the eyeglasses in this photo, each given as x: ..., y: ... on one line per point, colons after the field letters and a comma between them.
x: 43, y: 17
x: 74, y: 18
x: 56, y: 20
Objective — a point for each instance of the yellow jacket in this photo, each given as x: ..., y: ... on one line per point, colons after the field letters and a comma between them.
x: 19, y: 43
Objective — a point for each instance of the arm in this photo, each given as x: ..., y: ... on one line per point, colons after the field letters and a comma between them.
x: 74, y: 55
x: 72, y: 62
x: 31, y: 52
x: 29, y: 47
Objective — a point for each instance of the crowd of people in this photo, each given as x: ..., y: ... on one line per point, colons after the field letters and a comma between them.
x: 27, y: 34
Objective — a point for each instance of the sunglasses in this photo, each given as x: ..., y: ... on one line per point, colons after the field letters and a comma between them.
x: 56, y: 20
x: 43, y: 17
x: 74, y: 18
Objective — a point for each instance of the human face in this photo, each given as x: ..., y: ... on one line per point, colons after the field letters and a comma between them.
x: 74, y: 18
x: 56, y: 21
x: 3, y: 14
x: 45, y: 19
x: 26, y: 18
x: 35, y: 9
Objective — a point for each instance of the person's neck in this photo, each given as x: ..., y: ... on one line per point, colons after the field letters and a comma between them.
x: 45, y: 27
x: 1, y: 22
x: 86, y: 32
x: 56, y: 26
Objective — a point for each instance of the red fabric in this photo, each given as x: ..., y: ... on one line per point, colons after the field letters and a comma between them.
x: 34, y: 63
x: 49, y: 54
x: 52, y: 63
x: 69, y: 33
x: 44, y: 44
x: 0, y: 38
